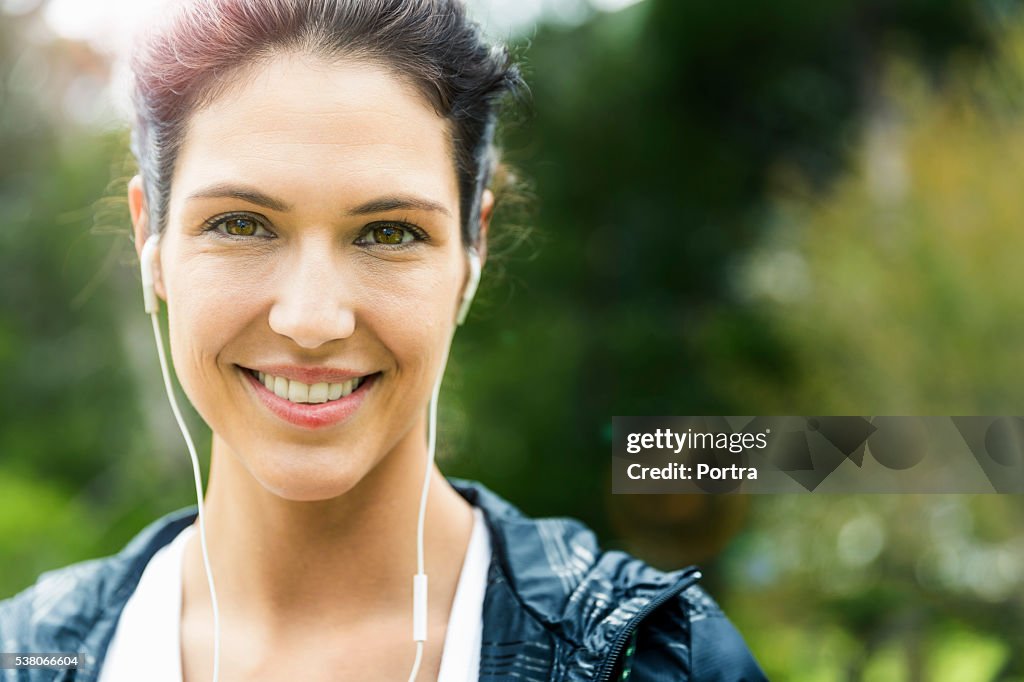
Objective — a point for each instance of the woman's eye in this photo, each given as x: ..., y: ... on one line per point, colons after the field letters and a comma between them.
x: 239, y: 226
x: 390, y: 235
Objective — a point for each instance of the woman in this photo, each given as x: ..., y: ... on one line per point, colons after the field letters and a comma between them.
x: 312, y: 208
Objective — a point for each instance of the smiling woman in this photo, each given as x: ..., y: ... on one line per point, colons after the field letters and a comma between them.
x: 312, y: 207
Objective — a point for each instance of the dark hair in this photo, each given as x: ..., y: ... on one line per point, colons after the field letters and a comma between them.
x: 186, y: 62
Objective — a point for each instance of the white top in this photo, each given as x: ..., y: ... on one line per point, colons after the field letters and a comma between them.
x: 147, y: 642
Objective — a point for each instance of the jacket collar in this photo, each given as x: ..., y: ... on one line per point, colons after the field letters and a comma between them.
x: 559, y: 574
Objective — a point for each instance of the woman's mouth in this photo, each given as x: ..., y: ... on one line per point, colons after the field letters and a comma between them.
x: 309, y: 405
x: 298, y: 392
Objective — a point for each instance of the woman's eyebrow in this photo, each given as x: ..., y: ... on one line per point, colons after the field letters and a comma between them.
x: 378, y: 205
x: 249, y: 194
x: 398, y: 201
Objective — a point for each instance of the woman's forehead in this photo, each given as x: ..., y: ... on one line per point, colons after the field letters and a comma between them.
x: 298, y: 125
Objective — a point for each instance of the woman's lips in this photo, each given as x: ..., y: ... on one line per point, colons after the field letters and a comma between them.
x: 311, y: 415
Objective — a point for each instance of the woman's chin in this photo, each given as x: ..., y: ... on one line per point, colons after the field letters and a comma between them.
x: 308, y: 489
x: 307, y: 480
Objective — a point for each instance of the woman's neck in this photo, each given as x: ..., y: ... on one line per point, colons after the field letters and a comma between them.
x: 326, y: 563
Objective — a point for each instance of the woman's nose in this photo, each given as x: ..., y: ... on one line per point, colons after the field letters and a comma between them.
x: 313, y: 304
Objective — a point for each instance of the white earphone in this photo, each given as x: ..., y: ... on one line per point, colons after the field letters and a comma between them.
x: 146, y: 262
x: 471, y: 284
x: 152, y: 306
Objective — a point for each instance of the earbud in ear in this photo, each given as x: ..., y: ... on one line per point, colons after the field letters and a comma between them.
x: 470, y: 291
x: 146, y: 263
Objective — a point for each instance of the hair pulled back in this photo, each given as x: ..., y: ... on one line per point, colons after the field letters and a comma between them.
x: 190, y: 58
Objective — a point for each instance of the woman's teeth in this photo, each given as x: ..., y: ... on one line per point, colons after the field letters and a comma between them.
x: 298, y: 392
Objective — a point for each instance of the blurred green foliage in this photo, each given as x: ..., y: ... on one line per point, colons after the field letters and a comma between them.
x: 774, y: 208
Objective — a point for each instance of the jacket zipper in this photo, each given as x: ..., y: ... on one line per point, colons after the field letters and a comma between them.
x: 619, y: 644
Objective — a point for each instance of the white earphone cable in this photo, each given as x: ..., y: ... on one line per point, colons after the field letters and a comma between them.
x: 199, y: 489
x: 419, y: 614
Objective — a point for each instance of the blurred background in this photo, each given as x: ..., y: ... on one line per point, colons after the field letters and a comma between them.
x: 792, y: 207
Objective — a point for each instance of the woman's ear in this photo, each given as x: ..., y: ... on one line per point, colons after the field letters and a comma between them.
x: 140, y: 228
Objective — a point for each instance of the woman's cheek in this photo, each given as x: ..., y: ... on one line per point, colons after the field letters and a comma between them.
x: 207, y: 310
x: 413, y: 313
x: 212, y: 300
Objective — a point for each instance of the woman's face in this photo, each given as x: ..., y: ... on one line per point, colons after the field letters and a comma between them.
x: 312, y: 265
